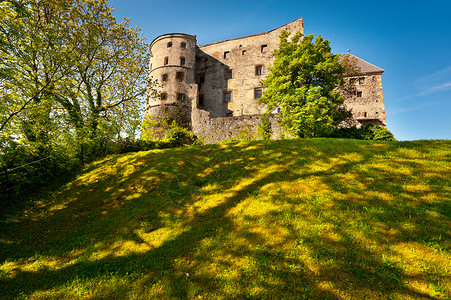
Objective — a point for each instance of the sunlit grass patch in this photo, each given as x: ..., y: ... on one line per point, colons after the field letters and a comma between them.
x: 313, y: 218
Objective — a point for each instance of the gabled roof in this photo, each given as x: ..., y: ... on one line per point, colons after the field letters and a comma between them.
x: 366, y: 67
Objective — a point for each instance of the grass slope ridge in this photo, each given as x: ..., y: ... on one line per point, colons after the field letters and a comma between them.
x: 308, y: 218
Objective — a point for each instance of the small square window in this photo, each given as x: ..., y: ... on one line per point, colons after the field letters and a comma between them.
x: 258, y: 70
x: 180, y: 96
x: 229, y: 74
x: 229, y: 114
x: 226, y: 54
x: 227, y: 96
x: 166, y: 60
x: 182, y: 61
x: 258, y: 93
x: 359, y: 94
x: 163, y: 96
x: 243, y: 52
x: 164, y: 77
x: 169, y: 44
x: 183, y: 45
x: 362, y: 80
x: 264, y: 48
x: 352, y: 81
x: 179, y: 76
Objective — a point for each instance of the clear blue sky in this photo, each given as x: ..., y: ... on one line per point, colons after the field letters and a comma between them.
x: 411, y: 40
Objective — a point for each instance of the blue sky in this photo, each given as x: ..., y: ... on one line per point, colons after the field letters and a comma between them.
x: 411, y: 40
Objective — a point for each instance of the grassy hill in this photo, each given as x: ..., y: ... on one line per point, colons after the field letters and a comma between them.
x: 309, y: 218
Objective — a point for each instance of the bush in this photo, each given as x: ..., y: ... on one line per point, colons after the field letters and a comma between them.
x: 177, y: 136
x: 264, y: 127
x: 366, y: 132
x: 25, y: 165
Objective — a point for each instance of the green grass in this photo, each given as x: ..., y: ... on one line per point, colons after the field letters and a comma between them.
x: 309, y: 218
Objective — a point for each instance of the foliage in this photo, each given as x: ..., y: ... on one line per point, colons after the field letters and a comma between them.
x: 303, y: 82
x: 260, y: 220
x: 366, y: 132
x: 179, y: 136
x: 264, y: 129
x: 68, y: 68
x: 26, y: 165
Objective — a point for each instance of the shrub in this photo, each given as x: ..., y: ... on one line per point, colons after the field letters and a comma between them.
x: 178, y: 136
x: 264, y: 128
x: 366, y: 132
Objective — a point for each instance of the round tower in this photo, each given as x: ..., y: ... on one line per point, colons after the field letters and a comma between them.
x: 172, y: 65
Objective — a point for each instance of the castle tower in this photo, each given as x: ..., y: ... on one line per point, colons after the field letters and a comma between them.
x: 172, y: 65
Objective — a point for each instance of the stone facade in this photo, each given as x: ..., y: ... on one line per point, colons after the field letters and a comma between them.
x: 214, y: 89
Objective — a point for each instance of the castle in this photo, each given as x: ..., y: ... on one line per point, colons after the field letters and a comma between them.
x: 214, y: 89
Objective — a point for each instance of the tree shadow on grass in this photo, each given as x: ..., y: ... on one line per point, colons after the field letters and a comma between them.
x: 223, y: 257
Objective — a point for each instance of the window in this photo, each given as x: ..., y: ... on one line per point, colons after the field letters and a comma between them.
x: 352, y: 81
x: 229, y: 114
x: 201, y: 101
x: 166, y: 60
x: 359, y: 94
x: 179, y: 76
x: 258, y: 93
x: 164, y: 77
x: 365, y: 114
x: 227, y: 96
x: 180, y: 96
x: 169, y: 44
x: 182, y: 61
x: 229, y: 74
x: 258, y: 70
x: 362, y: 80
x: 243, y: 52
x: 226, y: 54
x: 183, y: 45
x: 163, y: 96
x: 264, y: 48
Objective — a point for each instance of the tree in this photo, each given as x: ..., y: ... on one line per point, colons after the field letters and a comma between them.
x: 70, y: 62
x: 303, y: 82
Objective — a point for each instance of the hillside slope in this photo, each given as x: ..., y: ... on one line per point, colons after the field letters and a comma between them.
x: 311, y: 218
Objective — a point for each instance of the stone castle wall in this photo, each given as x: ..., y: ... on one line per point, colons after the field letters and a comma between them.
x: 214, y: 130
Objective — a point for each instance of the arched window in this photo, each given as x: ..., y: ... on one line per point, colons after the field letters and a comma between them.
x: 182, y: 61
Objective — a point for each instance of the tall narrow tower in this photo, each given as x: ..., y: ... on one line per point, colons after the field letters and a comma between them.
x: 172, y: 64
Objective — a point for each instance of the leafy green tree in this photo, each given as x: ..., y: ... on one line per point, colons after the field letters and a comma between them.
x: 303, y: 82
x: 69, y: 62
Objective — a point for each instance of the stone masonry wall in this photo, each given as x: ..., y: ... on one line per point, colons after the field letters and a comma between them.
x: 368, y: 107
x: 214, y: 130
x: 230, y: 67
